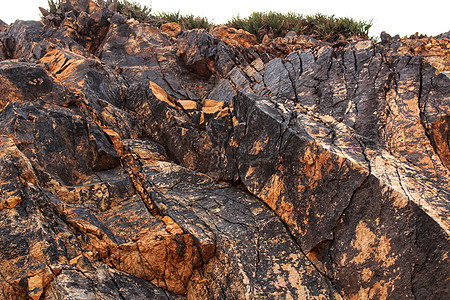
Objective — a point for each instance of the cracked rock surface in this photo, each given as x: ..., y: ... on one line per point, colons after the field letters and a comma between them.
x: 139, y: 163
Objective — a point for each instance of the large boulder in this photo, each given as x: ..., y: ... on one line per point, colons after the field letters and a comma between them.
x: 202, y: 165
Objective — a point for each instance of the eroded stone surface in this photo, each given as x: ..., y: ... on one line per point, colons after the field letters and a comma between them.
x: 139, y: 164
x: 435, y: 50
x: 255, y: 256
x: 3, y: 26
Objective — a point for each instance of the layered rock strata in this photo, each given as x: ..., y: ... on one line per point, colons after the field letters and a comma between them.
x: 143, y: 163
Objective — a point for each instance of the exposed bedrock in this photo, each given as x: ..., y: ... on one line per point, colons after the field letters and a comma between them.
x: 138, y: 162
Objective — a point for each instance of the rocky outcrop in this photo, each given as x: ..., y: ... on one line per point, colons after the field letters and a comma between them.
x: 3, y: 26
x: 171, y: 164
x: 433, y: 49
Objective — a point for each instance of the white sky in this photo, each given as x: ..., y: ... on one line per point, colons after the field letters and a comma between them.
x: 401, y: 17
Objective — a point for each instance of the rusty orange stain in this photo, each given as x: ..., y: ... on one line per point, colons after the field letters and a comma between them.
x: 161, y: 94
x: 258, y: 146
x: 365, y: 239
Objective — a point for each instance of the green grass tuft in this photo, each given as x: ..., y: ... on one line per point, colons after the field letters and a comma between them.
x: 53, y: 6
x: 186, y: 21
x: 275, y: 24
x: 322, y: 27
x: 135, y: 10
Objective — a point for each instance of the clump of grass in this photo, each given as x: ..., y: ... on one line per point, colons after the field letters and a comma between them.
x: 130, y: 9
x: 319, y: 26
x: 322, y: 27
x: 279, y: 23
x: 142, y: 13
x: 135, y: 10
x: 53, y: 6
x: 330, y: 28
x: 186, y: 21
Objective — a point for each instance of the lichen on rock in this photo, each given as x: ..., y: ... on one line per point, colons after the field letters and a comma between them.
x: 138, y: 162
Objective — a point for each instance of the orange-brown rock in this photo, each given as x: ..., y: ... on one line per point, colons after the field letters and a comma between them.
x: 188, y: 105
x: 138, y: 164
x: 440, y: 138
x: 87, y: 6
x: 3, y: 26
x: 233, y: 36
x: 172, y: 29
x: 23, y: 82
x: 435, y: 50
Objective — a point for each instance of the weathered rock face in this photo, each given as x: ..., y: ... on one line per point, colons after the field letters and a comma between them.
x: 433, y: 49
x: 141, y: 163
x: 3, y: 26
